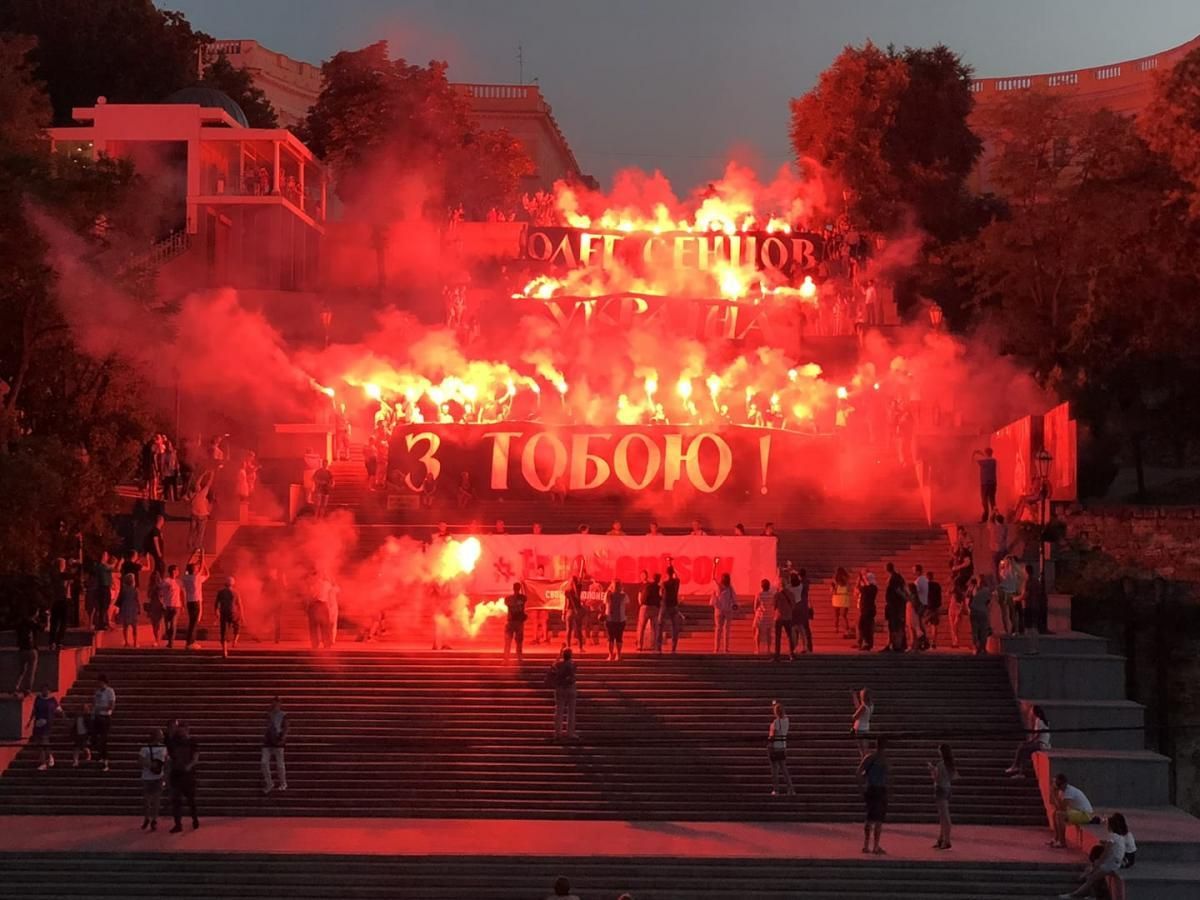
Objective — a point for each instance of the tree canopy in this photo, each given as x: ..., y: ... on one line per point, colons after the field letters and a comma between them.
x: 126, y: 50
x: 377, y: 119
x: 892, y: 127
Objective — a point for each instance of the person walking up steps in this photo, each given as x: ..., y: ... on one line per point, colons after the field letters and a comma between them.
x: 777, y: 751
x: 153, y: 757
x: 943, y: 773
x: 274, y: 742
x: 561, y: 678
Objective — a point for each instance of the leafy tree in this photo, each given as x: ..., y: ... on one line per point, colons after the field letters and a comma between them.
x: 377, y: 118
x: 892, y: 126
x: 126, y: 50
x: 1089, y: 277
x: 69, y: 424
x: 1172, y: 121
x: 238, y: 85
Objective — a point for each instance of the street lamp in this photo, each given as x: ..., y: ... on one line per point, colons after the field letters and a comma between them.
x: 1041, y: 462
x: 935, y: 316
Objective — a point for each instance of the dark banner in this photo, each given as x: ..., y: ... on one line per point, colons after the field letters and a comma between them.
x: 529, y: 458
x: 791, y: 254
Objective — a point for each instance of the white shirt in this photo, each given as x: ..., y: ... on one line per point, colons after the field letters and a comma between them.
x: 1041, y: 733
x: 148, y: 753
x: 778, y: 733
x: 191, y: 585
x: 863, y: 723
x: 1074, y: 798
x: 104, y: 701
x: 170, y: 593
x: 923, y: 590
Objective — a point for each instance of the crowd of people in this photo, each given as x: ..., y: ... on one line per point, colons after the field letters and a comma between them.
x: 168, y: 759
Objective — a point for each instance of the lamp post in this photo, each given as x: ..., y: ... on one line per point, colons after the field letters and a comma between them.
x: 1041, y: 461
x: 936, y: 316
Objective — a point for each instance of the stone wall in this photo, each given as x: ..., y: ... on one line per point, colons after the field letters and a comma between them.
x: 1141, y: 541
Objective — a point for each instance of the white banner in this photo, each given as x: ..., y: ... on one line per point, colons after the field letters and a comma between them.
x: 507, y: 558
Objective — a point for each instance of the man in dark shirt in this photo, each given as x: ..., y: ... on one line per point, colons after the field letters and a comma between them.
x: 573, y: 610
x: 62, y: 586
x: 873, y: 776
x: 155, y: 547
x: 670, y: 610
x: 183, y: 754
x: 802, y: 612
x: 229, y: 615
x: 649, y: 610
x: 514, y: 628
x: 933, y: 610
x: 132, y: 565
x: 895, y: 602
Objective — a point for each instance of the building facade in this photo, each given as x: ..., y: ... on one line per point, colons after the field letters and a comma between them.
x: 245, y: 205
x: 292, y: 86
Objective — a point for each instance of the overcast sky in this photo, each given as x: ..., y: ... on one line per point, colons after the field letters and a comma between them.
x: 679, y: 85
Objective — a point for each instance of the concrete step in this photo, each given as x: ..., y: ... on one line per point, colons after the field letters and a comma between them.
x: 219, y: 876
x: 1073, y: 676
x: 1071, y: 643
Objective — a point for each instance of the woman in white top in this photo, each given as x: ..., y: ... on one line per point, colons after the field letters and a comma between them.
x: 1039, y: 740
x: 864, y: 707
x: 777, y: 750
x: 764, y: 617
x: 153, y: 757
x: 1108, y: 857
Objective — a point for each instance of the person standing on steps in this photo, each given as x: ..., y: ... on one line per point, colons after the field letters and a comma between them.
x: 784, y: 601
x: 841, y: 603
x: 229, y: 615
x: 723, y: 602
x: 574, y: 610
x: 615, y: 612
x: 873, y: 777
x: 650, y: 612
x: 777, y: 751
x: 514, y: 626
x: 274, y: 742
x: 104, y: 702
x: 868, y: 592
x: 670, y: 610
x: 860, y: 726
x: 943, y: 773
x: 933, y: 610
x: 183, y: 755
x: 170, y: 597
x: 561, y: 678
x: 962, y: 570
x: 895, y: 603
x: 918, y: 597
x: 322, y: 489
x: 764, y: 616
x: 979, y: 595
x: 802, y: 611
x: 153, y: 757
x: 192, y: 583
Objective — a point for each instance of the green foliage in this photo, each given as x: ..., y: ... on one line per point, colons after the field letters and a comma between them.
x: 892, y: 127
x: 126, y: 50
x: 238, y: 85
x: 383, y: 126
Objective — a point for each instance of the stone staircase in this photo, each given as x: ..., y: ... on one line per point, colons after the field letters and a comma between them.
x: 453, y: 735
x: 312, y: 875
x: 1080, y: 685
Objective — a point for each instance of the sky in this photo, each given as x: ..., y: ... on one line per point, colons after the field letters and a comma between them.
x: 684, y: 85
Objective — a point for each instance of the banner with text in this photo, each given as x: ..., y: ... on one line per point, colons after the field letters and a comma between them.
x: 528, y: 458
x: 544, y: 561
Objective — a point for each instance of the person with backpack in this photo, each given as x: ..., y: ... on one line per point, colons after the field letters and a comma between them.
x: 933, y: 610
x: 784, y: 603
x: 153, y: 757
x: 514, y: 626
x: 802, y: 611
x: 561, y: 678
